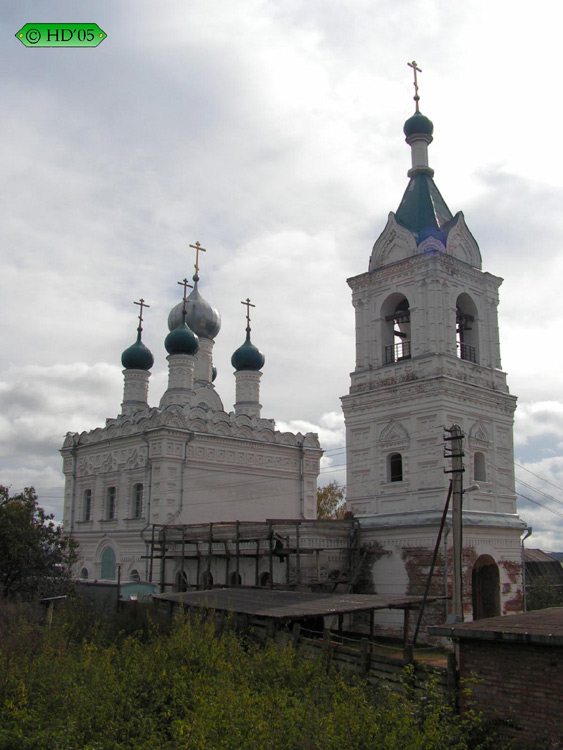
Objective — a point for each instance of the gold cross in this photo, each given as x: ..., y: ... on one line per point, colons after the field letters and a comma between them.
x: 141, y: 304
x: 415, y: 69
x: 185, y: 284
x: 248, y: 304
x: 198, y: 248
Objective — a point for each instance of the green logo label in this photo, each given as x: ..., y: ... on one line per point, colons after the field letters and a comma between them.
x: 61, y: 35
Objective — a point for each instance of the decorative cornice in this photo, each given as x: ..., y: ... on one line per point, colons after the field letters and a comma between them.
x: 195, y: 420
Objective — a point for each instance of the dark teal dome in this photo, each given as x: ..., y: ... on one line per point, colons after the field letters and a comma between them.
x: 418, y: 124
x: 213, y: 373
x: 182, y: 340
x: 137, y: 356
x: 248, y: 356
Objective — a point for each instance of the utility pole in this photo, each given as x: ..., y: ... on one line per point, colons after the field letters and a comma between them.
x: 455, y: 452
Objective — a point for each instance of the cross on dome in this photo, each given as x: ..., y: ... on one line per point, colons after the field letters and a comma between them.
x: 248, y: 304
x: 198, y: 248
x: 141, y: 304
x: 415, y: 69
x: 185, y: 284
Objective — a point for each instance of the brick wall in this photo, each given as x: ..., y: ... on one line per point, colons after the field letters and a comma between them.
x: 521, y: 683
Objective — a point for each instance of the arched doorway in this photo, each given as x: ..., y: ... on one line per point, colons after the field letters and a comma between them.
x: 108, y: 572
x: 485, y: 584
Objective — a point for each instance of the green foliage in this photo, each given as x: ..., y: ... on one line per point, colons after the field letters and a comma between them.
x: 35, y: 555
x: 67, y: 688
x: 542, y: 593
x: 330, y: 500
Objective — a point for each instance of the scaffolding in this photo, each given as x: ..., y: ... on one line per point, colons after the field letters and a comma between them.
x: 234, y: 541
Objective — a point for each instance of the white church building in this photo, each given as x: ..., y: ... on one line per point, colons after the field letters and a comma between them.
x: 427, y: 357
x: 185, y: 461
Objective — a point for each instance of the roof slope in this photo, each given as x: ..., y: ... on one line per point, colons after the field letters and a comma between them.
x: 422, y: 209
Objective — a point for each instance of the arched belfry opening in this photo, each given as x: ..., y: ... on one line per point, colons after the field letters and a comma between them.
x: 396, y: 317
x: 467, y: 329
x: 485, y: 586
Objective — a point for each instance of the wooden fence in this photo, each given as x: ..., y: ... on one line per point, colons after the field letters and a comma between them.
x: 365, y: 658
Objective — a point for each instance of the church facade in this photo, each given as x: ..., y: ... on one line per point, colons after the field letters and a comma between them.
x: 184, y: 461
x: 427, y: 358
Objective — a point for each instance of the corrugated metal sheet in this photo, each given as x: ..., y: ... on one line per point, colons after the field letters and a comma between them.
x: 290, y: 605
x: 539, y: 626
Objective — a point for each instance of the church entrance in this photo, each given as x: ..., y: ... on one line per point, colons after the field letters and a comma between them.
x: 485, y: 584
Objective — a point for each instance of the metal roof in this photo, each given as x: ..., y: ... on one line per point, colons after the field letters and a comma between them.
x: 290, y: 605
x: 540, y: 626
x: 538, y: 555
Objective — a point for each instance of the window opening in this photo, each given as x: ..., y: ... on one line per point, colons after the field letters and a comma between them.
x: 138, y: 500
x: 264, y: 579
x: 207, y: 580
x: 466, y: 328
x: 235, y: 579
x: 479, y: 468
x: 87, y: 505
x: 400, y: 321
x: 181, y: 581
x: 395, y: 467
x: 84, y: 574
x: 110, y: 503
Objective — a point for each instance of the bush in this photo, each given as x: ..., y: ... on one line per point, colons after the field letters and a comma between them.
x: 84, y: 688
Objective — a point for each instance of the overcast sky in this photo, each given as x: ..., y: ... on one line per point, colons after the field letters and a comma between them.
x: 270, y: 131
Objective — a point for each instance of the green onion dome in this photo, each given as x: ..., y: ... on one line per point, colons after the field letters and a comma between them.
x: 418, y: 124
x: 137, y: 356
x: 248, y: 356
x: 182, y: 340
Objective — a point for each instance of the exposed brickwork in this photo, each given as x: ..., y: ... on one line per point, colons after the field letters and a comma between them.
x: 520, y: 684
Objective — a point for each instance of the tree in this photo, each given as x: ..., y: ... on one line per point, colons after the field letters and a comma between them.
x: 35, y: 554
x: 330, y: 501
x: 543, y: 592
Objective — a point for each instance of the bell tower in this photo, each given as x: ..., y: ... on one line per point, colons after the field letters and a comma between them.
x: 427, y: 357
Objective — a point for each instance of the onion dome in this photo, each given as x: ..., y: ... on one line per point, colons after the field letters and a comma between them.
x: 137, y: 356
x: 182, y: 340
x: 202, y: 318
x: 213, y: 373
x: 418, y: 124
x: 248, y: 356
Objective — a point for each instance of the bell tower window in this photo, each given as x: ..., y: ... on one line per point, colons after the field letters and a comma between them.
x: 479, y: 468
x: 467, y: 329
x: 397, y: 329
x: 395, y: 467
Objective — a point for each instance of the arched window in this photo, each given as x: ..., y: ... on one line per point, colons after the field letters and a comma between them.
x: 84, y: 574
x: 138, y: 500
x: 235, y: 579
x: 467, y: 329
x: 87, y: 505
x: 108, y: 565
x: 479, y: 468
x: 207, y: 579
x: 134, y: 576
x: 396, y: 317
x: 264, y: 579
x: 395, y: 467
x: 181, y: 583
x: 111, y: 493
